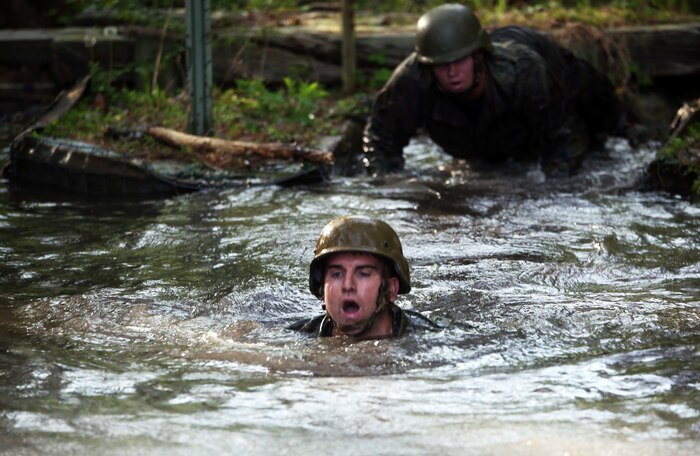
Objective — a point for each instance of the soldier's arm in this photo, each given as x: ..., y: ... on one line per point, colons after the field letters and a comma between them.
x: 558, y: 132
x: 397, y: 113
x: 540, y: 99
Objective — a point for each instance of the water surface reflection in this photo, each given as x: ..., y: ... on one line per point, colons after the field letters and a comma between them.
x: 157, y: 327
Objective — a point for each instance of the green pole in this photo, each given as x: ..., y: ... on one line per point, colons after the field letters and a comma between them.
x: 199, y: 66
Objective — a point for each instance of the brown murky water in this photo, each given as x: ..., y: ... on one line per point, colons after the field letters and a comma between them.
x: 157, y: 327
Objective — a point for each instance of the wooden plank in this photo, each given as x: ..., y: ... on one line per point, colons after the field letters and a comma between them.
x: 662, y: 50
x: 25, y: 47
x: 249, y: 60
x: 667, y: 50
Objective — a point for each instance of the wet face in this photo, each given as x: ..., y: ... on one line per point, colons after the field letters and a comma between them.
x: 455, y: 77
x: 351, y: 287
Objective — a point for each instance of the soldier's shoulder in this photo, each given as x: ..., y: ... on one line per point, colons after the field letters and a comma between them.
x: 517, y: 68
x: 512, y: 55
x: 311, y: 326
x: 418, y: 321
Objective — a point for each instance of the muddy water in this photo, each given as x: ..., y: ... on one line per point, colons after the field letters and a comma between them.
x: 157, y: 327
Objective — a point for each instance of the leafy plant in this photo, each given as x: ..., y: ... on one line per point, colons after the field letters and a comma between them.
x: 683, y: 151
x: 253, y: 107
x: 377, y: 77
x: 676, y: 150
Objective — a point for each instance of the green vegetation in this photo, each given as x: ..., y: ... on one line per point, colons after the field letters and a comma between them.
x: 279, y: 114
x: 379, y: 76
x: 300, y: 110
x: 683, y: 153
x: 679, y: 148
x: 599, y: 13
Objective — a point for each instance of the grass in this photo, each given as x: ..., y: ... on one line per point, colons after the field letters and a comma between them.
x: 299, y: 112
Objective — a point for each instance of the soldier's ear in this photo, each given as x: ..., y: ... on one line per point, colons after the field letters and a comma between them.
x: 393, y: 288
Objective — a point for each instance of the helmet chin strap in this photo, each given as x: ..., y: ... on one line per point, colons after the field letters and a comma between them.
x: 382, y: 304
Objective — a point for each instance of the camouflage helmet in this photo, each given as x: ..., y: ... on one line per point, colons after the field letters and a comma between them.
x: 448, y: 33
x: 358, y: 234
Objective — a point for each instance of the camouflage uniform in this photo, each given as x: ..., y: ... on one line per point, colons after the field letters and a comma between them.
x: 402, y: 322
x: 540, y: 101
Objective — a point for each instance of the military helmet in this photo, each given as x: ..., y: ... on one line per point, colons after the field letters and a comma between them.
x: 358, y: 234
x: 448, y: 33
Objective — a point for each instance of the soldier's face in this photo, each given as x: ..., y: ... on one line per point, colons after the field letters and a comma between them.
x: 351, y: 287
x: 457, y: 76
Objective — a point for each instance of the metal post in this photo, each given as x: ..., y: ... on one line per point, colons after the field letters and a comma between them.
x: 199, y: 66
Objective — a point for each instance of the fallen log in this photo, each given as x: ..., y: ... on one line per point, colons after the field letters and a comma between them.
x: 205, y: 145
x: 63, y: 102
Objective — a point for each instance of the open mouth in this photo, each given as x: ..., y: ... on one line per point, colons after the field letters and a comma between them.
x: 455, y: 87
x: 350, y: 307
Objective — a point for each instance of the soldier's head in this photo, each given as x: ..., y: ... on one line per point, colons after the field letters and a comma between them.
x: 451, y: 40
x: 358, y: 270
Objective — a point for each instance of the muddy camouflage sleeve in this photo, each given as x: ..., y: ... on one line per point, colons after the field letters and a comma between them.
x: 397, y: 114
